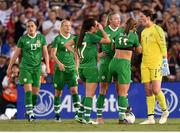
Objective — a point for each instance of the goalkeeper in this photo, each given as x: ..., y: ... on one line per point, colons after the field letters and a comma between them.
x: 154, y: 65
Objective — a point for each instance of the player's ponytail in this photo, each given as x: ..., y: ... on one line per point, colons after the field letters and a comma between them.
x: 149, y: 13
x: 86, y: 26
x: 130, y: 25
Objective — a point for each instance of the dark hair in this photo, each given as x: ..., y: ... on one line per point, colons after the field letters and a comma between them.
x: 130, y: 23
x: 86, y: 26
x: 149, y: 13
x: 30, y: 20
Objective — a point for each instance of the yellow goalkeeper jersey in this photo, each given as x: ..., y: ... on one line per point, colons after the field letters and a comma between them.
x: 153, y: 46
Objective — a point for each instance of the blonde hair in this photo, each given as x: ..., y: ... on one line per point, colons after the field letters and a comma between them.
x: 61, y: 25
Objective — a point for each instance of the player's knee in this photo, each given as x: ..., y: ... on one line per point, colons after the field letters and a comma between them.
x: 73, y: 90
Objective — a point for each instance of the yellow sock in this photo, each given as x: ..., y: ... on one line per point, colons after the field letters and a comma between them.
x: 162, y: 100
x: 150, y: 100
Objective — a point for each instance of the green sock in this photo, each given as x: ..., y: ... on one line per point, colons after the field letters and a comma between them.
x: 28, y: 102
x: 122, y: 105
x: 87, y: 108
x: 100, y: 105
x: 57, y: 105
x: 34, y: 99
x: 76, y: 102
x: 81, y: 108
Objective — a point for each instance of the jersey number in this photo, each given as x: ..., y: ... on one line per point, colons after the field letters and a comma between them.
x: 81, y: 52
x: 122, y: 41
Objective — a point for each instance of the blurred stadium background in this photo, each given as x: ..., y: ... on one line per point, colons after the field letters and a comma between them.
x: 13, y: 17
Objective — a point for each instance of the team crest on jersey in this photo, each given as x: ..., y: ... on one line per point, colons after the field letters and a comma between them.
x: 25, y: 79
x: 36, y: 45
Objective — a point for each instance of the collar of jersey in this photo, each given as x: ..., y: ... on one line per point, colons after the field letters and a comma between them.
x: 113, y: 29
x: 65, y: 37
x: 31, y: 36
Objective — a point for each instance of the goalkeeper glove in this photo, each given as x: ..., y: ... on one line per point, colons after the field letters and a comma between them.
x: 165, y: 67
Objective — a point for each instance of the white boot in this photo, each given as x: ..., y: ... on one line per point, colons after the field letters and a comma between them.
x: 164, y: 117
x: 150, y: 120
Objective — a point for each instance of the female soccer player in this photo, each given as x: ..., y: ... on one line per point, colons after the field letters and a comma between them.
x: 154, y: 60
x: 112, y: 29
x: 65, y: 70
x: 31, y: 47
x: 87, y: 50
x: 120, y: 65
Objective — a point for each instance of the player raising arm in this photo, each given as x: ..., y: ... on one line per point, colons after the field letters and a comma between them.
x: 86, y: 46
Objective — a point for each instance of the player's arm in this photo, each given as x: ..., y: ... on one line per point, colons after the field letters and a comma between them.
x: 69, y: 45
x: 46, y: 56
x: 138, y: 47
x: 13, y: 59
x: 105, y: 38
x: 53, y: 55
x: 161, y: 41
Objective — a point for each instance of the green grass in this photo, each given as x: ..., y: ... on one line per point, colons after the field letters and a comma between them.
x: 72, y: 125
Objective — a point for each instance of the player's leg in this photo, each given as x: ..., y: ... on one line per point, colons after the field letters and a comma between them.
x: 36, y: 76
x: 124, y: 79
x: 58, y: 83
x: 91, y: 85
x: 150, y: 98
x: 71, y: 79
x: 104, y: 78
x: 156, y: 86
x: 26, y: 81
x: 80, y: 113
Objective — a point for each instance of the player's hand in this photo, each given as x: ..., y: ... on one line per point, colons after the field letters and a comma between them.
x: 61, y: 67
x: 47, y: 69
x: 9, y: 71
x: 102, y: 54
x: 165, y: 67
x: 100, y: 27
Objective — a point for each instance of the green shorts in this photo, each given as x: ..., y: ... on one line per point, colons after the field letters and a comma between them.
x: 104, y: 73
x: 30, y: 76
x: 89, y: 75
x: 120, y: 69
x: 61, y: 78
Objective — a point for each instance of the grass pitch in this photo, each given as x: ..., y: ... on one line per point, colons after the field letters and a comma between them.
x: 72, y: 125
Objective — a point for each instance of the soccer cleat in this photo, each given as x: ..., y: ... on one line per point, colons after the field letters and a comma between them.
x: 164, y: 117
x: 57, y: 118
x: 90, y: 122
x: 123, y: 121
x: 100, y: 120
x: 78, y: 119
x: 129, y: 109
x: 149, y: 121
x: 30, y: 117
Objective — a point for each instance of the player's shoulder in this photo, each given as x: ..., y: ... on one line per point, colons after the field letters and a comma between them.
x: 157, y: 27
x: 39, y: 35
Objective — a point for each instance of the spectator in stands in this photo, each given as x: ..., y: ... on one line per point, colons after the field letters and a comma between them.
x: 50, y: 27
x: 10, y: 94
x: 20, y: 27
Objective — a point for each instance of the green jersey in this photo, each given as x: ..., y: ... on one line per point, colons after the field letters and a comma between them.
x: 108, y: 48
x: 88, y: 50
x: 63, y: 55
x: 127, y: 42
x: 31, y: 50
